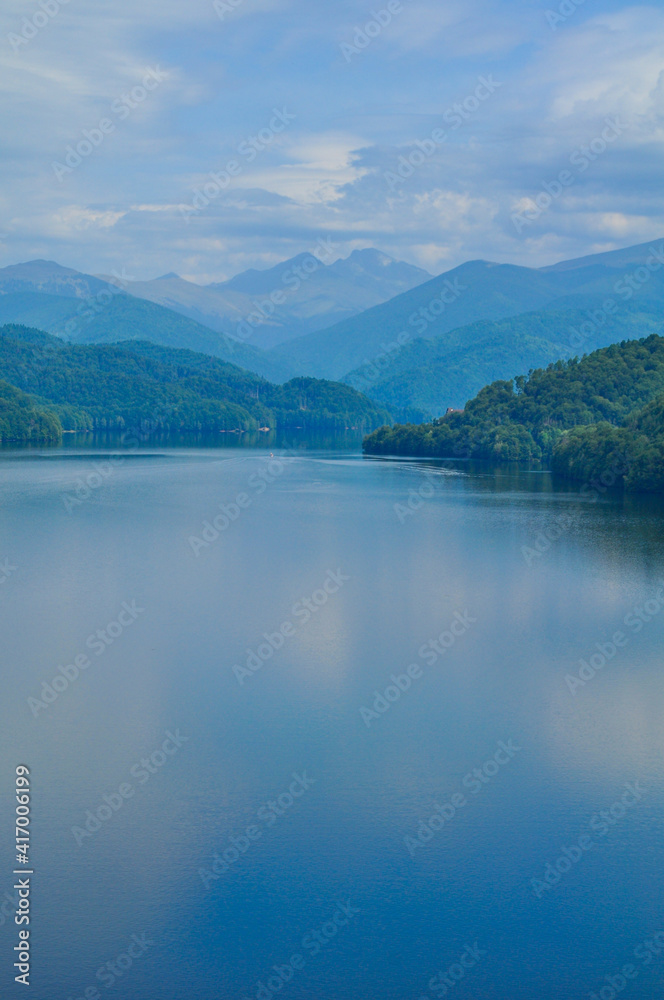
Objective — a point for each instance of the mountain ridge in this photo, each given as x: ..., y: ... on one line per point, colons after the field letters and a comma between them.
x: 125, y: 386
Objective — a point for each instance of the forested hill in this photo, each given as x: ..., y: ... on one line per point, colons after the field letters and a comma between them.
x: 633, y: 454
x: 120, y: 386
x: 576, y: 414
x: 22, y: 421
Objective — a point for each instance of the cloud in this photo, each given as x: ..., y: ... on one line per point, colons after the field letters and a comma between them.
x: 326, y: 173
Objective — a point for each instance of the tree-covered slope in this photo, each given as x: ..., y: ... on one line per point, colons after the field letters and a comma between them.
x: 632, y: 454
x: 112, y: 317
x: 21, y: 421
x: 431, y: 375
x: 140, y: 384
x: 527, y: 418
x: 478, y: 290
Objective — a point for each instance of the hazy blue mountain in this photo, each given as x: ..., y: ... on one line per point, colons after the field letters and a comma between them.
x: 254, y: 309
x: 622, y: 259
x: 474, y: 291
x: 219, y: 311
x: 478, y: 290
x: 46, y: 312
x: 418, y: 328
x: 267, y: 307
x: 98, y: 313
x: 49, y: 278
x: 427, y: 376
x: 491, y: 321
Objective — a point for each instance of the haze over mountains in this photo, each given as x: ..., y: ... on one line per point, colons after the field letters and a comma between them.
x: 438, y: 344
x: 87, y: 310
x: 477, y: 290
x: 411, y: 342
x: 253, y: 310
x: 293, y: 298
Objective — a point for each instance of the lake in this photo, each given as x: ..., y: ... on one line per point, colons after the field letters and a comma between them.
x: 331, y: 728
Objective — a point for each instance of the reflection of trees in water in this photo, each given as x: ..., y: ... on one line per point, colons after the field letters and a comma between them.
x: 605, y: 523
x: 291, y: 439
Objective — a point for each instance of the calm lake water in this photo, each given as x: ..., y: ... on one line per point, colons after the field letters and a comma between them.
x: 380, y: 747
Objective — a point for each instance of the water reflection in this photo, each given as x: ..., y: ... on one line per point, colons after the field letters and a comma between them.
x: 460, y: 551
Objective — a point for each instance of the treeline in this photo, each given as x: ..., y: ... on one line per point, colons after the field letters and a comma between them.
x: 120, y: 387
x: 21, y: 421
x: 633, y: 454
x: 604, y: 411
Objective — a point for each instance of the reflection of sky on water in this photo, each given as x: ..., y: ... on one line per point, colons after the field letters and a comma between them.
x: 503, y: 679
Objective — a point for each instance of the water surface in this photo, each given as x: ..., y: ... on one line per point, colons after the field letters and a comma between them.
x: 335, y: 772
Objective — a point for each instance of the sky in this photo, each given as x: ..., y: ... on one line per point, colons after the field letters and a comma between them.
x: 207, y: 137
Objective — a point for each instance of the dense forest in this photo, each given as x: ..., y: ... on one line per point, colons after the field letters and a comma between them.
x: 632, y: 455
x: 22, y: 421
x: 603, y: 413
x: 136, y: 384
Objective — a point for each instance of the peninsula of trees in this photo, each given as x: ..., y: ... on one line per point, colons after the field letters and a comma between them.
x: 582, y: 417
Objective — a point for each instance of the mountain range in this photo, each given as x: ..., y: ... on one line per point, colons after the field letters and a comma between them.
x: 413, y: 343
x: 467, y: 300
x: 291, y: 299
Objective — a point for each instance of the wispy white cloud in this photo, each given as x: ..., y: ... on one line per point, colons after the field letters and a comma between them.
x: 326, y: 173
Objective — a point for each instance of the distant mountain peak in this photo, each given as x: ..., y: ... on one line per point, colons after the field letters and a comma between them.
x: 370, y: 253
x: 37, y: 266
x: 49, y: 277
